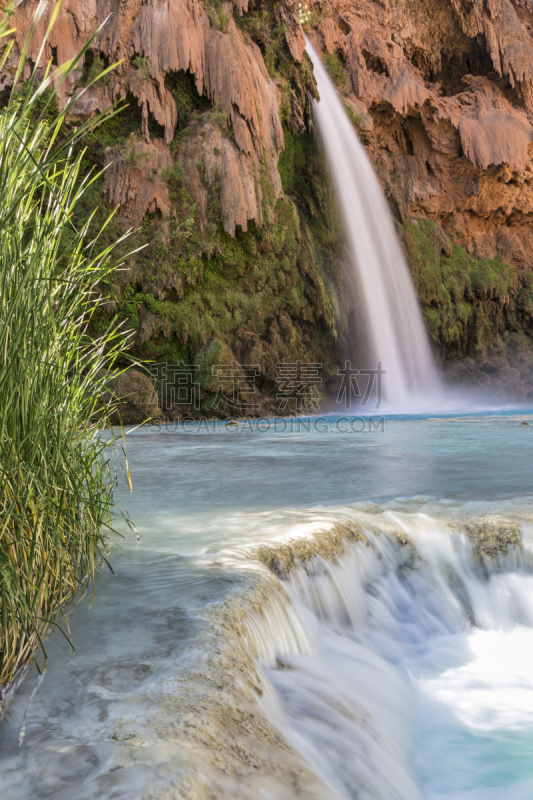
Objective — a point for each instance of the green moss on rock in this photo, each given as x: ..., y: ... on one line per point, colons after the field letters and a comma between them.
x: 467, y: 302
x: 256, y: 296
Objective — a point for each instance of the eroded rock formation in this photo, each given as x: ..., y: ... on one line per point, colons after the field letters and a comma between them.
x: 442, y: 97
x: 449, y: 88
x: 134, y: 181
x: 154, y: 40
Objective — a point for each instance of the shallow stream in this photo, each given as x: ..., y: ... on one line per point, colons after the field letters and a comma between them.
x: 311, y: 613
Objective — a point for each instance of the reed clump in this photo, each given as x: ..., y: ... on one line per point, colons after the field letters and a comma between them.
x: 56, y: 476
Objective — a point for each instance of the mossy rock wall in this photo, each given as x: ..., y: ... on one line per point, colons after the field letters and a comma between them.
x: 468, y: 303
x: 273, y: 293
x: 195, y: 295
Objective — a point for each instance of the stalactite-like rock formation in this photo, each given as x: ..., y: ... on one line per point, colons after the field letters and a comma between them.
x: 442, y: 96
x: 456, y: 77
x: 449, y: 86
x: 168, y: 36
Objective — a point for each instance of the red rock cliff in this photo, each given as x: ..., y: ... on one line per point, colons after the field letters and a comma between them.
x: 442, y: 96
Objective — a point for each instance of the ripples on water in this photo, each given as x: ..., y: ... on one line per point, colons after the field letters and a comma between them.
x: 390, y: 675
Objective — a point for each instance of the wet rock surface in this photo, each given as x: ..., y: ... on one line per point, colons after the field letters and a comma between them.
x: 441, y: 95
x: 215, y: 138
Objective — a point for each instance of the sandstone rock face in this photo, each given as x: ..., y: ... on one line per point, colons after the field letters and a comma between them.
x: 134, y: 179
x: 448, y: 85
x: 221, y: 162
x: 442, y: 96
x: 165, y: 37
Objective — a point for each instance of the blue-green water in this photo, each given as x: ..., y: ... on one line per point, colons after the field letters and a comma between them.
x: 193, y: 485
x: 454, y: 699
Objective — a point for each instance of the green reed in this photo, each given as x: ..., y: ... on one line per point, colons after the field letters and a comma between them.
x: 56, y: 476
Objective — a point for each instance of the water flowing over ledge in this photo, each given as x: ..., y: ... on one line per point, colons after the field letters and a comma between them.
x: 326, y: 644
x: 336, y: 656
x: 256, y: 578
x: 383, y: 294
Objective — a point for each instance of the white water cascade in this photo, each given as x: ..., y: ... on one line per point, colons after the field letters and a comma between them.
x: 403, y: 673
x: 383, y: 286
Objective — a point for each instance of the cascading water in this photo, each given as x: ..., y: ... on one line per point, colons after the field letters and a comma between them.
x: 386, y: 296
x: 414, y: 678
x: 271, y: 638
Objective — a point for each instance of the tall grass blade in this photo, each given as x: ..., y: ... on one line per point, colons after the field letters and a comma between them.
x: 56, y: 481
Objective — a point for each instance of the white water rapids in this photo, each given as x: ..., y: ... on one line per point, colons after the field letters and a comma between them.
x: 407, y: 674
x: 287, y: 630
x: 383, y: 288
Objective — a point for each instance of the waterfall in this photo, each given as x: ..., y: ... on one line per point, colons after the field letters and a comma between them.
x: 381, y: 281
